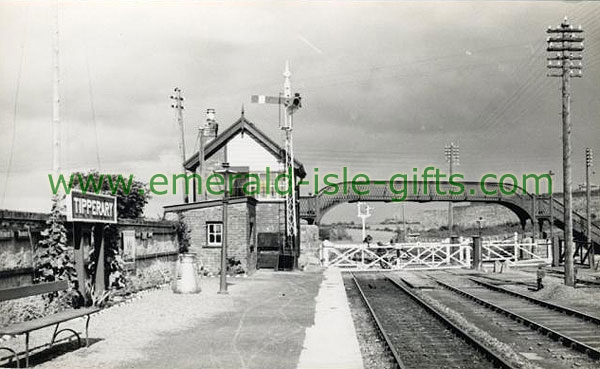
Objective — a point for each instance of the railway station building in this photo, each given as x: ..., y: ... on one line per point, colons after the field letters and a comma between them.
x: 256, y: 224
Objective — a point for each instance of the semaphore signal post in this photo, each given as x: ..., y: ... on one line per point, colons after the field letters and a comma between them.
x: 290, y: 105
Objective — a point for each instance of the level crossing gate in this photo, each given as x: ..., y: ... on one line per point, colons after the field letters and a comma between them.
x: 432, y: 255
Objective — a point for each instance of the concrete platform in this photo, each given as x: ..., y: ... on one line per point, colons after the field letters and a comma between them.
x: 275, y: 320
x: 331, y: 342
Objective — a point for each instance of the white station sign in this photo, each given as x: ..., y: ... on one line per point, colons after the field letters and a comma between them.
x: 90, y: 207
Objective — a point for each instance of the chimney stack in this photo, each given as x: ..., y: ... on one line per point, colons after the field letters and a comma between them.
x: 212, y: 127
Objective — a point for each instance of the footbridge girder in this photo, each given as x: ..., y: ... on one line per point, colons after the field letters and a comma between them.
x: 525, y: 205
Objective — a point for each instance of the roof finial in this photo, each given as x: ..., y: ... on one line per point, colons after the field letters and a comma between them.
x: 243, y: 121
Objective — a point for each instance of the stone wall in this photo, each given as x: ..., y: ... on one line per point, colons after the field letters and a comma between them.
x: 309, y: 245
x: 20, y: 234
x: 494, y: 214
x: 579, y: 203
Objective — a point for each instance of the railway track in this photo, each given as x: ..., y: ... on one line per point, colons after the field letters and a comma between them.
x: 416, y: 334
x: 572, y: 328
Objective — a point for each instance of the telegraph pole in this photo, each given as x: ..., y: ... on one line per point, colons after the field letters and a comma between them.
x: 588, y: 208
x: 55, y: 98
x: 178, y: 106
x: 567, y: 42
x: 452, y: 156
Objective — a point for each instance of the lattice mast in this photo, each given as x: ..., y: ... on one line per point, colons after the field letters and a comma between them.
x: 288, y: 128
x: 289, y: 104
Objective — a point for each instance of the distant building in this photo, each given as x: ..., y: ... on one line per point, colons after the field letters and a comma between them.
x: 256, y: 226
x: 583, y: 187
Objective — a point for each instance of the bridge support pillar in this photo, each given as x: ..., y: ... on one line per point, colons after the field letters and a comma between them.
x: 534, y: 219
x: 555, y: 251
x: 476, y: 260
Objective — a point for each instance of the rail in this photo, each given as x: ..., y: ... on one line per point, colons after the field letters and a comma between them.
x: 552, y: 333
x: 492, y: 356
x: 546, y: 304
x: 379, y: 327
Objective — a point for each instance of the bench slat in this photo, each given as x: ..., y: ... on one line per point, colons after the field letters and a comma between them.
x: 32, y: 325
x: 32, y: 290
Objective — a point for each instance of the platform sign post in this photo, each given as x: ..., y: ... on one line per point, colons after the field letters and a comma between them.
x: 91, y: 207
x: 90, y: 211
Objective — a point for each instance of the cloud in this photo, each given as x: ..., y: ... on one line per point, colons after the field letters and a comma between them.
x: 394, y: 81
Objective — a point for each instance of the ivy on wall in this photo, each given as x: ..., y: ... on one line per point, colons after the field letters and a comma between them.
x: 53, y: 260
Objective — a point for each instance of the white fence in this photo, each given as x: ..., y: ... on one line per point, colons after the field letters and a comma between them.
x: 431, y: 255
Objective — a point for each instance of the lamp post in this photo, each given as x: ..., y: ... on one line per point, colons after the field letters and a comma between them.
x: 225, y: 171
x: 363, y: 217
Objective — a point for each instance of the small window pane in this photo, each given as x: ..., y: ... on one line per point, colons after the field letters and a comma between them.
x: 214, y: 233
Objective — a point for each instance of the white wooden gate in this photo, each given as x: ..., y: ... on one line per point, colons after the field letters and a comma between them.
x: 431, y: 255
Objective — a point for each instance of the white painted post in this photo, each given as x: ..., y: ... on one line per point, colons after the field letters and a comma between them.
x: 468, y: 255
x: 362, y: 257
x: 448, y: 254
x: 516, y: 246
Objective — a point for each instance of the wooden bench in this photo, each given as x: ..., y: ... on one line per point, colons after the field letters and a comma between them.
x: 25, y: 328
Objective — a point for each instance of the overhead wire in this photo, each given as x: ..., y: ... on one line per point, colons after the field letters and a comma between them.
x: 93, y: 110
x: 15, y: 109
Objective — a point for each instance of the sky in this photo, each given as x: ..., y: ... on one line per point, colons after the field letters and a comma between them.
x: 385, y: 86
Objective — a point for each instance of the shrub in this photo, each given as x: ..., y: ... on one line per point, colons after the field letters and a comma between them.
x: 234, y: 266
x: 183, y: 234
x: 53, y: 258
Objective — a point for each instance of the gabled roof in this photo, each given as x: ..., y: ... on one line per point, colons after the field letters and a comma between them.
x: 243, y: 126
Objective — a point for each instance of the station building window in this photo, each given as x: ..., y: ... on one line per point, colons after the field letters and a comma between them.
x: 271, y: 193
x: 214, y: 233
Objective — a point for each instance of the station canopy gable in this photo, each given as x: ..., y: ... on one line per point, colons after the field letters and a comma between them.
x: 233, y: 136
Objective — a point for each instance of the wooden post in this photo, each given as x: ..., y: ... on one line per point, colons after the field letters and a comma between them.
x: 567, y: 42
x: 476, y: 262
x: 588, y: 209
x: 534, y: 220
x: 78, y: 255
x: 100, y: 275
